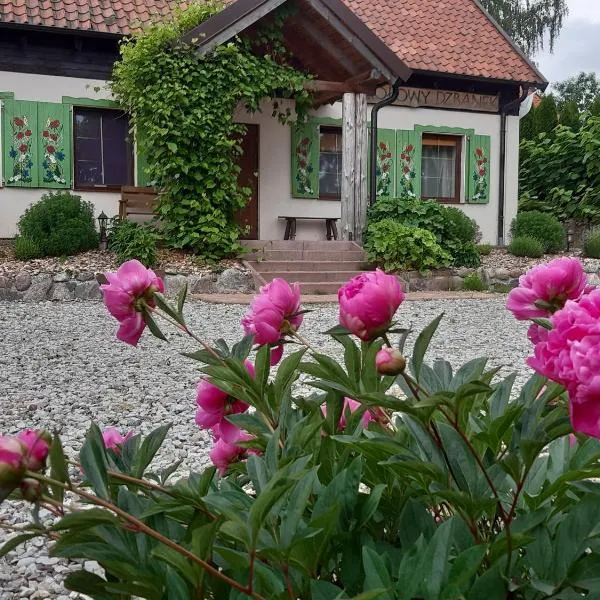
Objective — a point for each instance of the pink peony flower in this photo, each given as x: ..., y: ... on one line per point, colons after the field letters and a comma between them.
x: 224, y: 452
x: 274, y: 312
x: 215, y: 404
x: 276, y: 355
x: 389, y: 362
x: 350, y: 405
x: 12, y: 465
x: 570, y: 355
x: 368, y: 303
x: 113, y: 440
x: 128, y: 293
x: 37, y: 444
x: 544, y: 289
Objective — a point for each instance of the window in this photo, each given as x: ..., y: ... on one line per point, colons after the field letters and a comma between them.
x: 441, y: 167
x: 330, y: 163
x: 103, y: 153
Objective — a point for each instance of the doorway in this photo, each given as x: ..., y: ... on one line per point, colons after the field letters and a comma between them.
x: 247, y: 218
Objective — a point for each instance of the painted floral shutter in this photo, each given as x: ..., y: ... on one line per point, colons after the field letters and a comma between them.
x: 20, y: 152
x: 479, y: 170
x: 305, y: 160
x: 408, y: 163
x: 54, y: 145
x: 386, y: 163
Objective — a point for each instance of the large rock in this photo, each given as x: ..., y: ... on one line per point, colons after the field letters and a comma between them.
x: 88, y: 290
x: 61, y: 292
x: 10, y: 294
x: 174, y: 284
x: 38, y: 290
x: 5, y: 282
x: 234, y: 281
x: 85, y: 276
x: 61, y: 277
x: 22, y: 281
x: 202, y: 284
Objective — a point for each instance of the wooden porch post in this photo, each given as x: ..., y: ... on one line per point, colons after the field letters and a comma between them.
x: 354, y: 166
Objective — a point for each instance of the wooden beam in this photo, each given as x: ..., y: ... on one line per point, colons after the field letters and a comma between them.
x: 366, y: 82
x: 361, y: 194
x: 341, y: 87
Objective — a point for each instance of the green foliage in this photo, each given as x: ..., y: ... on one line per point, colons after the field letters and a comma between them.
x: 454, y: 231
x: 133, y: 240
x: 182, y: 107
x: 591, y: 247
x: 60, y: 224
x: 25, y: 248
x: 397, y: 247
x: 474, y: 283
x: 545, y: 116
x: 484, y: 249
x: 594, y: 109
x: 472, y: 489
x: 582, y: 89
x: 543, y: 227
x: 569, y: 116
x: 525, y: 245
x: 527, y: 126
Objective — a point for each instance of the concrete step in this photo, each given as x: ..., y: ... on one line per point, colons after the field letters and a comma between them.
x: 258, y: 245
x: 311, y: 255
x: 310, y: 276
x: 321, y: 287
x: 279, y: 266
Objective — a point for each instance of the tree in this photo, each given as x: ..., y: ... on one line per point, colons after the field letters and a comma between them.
x: 594, y: 108
x: 582, y: 89
x: 569, y: 115
x: 545, y: 117
x: 527, y: 126
x: 529, y: 22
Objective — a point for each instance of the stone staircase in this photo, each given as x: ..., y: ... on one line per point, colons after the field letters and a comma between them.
x: 320, y: 267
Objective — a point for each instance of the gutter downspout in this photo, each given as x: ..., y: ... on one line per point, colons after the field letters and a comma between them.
x: 389, y: 99
x: 502, y: 185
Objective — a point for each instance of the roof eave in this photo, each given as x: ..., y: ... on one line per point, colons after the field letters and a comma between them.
x: 61, y: 30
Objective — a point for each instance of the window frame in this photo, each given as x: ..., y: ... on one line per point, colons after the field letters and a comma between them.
x: 130, y: 154
x: 458, y: 166
x: 329, y: 129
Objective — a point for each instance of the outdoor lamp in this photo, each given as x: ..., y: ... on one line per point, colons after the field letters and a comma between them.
x: 102, y: 221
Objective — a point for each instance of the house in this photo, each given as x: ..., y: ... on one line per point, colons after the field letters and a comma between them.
x: 439, y: 82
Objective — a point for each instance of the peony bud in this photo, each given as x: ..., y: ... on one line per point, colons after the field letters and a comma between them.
x: 37, y: 443
x: 31, y: 489
x: 390, y: 362
x: 12, y: 467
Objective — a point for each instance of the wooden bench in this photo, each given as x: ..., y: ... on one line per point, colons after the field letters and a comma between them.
x: 290, y: 226
x: 137, y: 201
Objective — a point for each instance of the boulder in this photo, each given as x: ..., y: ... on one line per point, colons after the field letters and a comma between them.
x: 61, y: 277
x: 234, y: 281
x: 88, y: 290
x: 202, y: 284
x: 174, y: 284
x: 22, y: 281
x: 85, y: 276
x: 38, y: 290
x: 61, y: 292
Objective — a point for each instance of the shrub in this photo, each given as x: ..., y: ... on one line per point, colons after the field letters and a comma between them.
x: 25, y: 248
x: 543, y: 227
x: 454, y: 231
x: 131, y: 240
x: 545, y: 116
x: 484, y: 249
x: 396, y: 247
x: 474, y: 283
x: 591, y: 246
x: 60, y: 224
x: 526, y: 246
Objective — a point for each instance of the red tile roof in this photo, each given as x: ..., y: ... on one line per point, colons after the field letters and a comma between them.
x: 447, y: 36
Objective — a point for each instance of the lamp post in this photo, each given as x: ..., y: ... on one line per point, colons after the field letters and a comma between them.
x: 102, y: 221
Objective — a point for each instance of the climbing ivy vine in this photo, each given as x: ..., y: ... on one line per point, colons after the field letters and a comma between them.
x: 182, y: 108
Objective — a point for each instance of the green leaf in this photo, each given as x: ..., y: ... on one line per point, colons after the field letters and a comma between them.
x: 241, y: 350
x: 150, y: 446
x: 490, y: 586
x: 58, y: 468
x: 177, y: 561
x: 287, y: 373
x: 89, y: 583
x: 292, y: 515
x: 153, y: 327
x: 377, y: 576
x: 94, y: 462
x: 465, y: 567
x: 370, y: 506
x: 162, y: 303
x: 181, y: 301
x: 422, y: 343
x: 84, y: 519
x: 172, y: 147
x: 435, y: 561
x: 15, y: 542
x: 263, y: 367
x: 323, y: 590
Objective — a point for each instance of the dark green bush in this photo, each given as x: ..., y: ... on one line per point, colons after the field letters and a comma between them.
x: 131, y: 240
x: 543, y: 227
x: 59, y: 224
x: 396, y: 247
x: 474, y: 283
x: 484, y: 249
x: 25, y: 248
x: 526, y: 246
x: 454, y: 231
x: 591, y: 246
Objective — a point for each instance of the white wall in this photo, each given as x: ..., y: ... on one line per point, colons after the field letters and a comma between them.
x: 47, y: 88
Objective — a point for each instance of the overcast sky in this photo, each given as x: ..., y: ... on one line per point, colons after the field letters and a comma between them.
x: 578, y: 46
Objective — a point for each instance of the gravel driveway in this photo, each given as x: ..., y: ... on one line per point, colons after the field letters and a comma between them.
x: 61, y: 367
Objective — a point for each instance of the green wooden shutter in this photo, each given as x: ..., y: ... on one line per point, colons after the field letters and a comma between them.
x: 19, y: 143
x: 54, y: 145
x: 305, y: 160
x: 478, y: 174
x: 386, y: 163
x: 408, y: 163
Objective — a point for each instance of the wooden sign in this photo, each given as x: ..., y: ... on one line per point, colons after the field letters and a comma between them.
x: 428, y: 98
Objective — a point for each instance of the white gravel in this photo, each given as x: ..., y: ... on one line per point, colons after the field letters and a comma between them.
x: 61, y: 367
